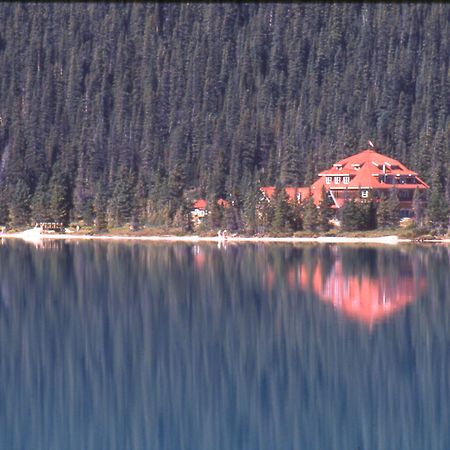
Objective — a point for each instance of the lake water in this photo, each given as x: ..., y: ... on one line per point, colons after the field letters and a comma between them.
x: 155, y: 346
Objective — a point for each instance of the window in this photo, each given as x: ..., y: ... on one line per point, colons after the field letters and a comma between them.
x: 328, y: 180
x: 364, y: 194
x: 346, y: 180
x: 337, y: 180
x: 405, y: 194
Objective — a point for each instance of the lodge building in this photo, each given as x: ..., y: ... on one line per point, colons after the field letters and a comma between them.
x: 360, y: 176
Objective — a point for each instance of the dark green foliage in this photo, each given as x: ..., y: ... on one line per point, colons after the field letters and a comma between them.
x: 100, y: 206
x: 4, y: 207
x: 351, y: 216
x: 163, y: 99
x: 60, y: 197
x: 388, y: 211
x: 216, y: 215
x: 183, y: 217
x: 122, y: 200
x: 250, y: 215
x: 358, y: 215
x: 280, y: 205
x: 232, y: 219
x: 418, y: 207
x: 438, y: 209
x: 310, y: 215
x: 20, y: 204
x: 40, y: 203
x: 325, y: 212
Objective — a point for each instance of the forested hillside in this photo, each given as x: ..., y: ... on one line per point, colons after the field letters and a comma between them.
x: 122, y: 112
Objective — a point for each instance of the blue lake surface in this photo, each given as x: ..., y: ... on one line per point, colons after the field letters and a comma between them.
x: 157, y: 346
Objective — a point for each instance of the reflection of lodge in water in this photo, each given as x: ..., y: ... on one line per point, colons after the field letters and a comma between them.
x: 363, y: 297
x: 368, y: 289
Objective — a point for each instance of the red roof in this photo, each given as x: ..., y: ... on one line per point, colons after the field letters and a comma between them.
x: 202, y: 203
x: 294, y: 193
x: 364, y: 169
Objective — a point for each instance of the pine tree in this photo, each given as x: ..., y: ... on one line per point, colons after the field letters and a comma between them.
x: 388, y: 212
x: 100, y: 206
x: 123, y: 196
x: 418, y: 207
x: 20, y: 204
x: 383, y: 220
x: 4, y: 206
x: 325, y: 212
x: 393, y: 205
x: 215, y: 214
x: 310, y: 215
x: 59, y: 204
x: 280, y: 209
x: 40, y: 202
x: 351, y: 217
x: 438, y: 210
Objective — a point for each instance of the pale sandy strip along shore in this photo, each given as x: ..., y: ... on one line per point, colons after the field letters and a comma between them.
x: 34, y: 235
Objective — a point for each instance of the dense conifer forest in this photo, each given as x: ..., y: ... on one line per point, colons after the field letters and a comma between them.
x: 127, y: 112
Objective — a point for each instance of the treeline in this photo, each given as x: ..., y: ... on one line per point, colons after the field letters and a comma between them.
x: 283, y: 215
x: 125, y: 112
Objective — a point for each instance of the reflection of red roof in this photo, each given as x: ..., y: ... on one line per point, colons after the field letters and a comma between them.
x: 361, y: 297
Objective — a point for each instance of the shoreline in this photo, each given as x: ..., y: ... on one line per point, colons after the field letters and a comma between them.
x: 34, y: 235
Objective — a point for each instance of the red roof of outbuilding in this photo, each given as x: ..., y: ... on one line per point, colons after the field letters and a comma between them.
x: 200, y: 204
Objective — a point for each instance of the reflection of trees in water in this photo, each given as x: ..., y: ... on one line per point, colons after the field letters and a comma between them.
x: 157, y: 346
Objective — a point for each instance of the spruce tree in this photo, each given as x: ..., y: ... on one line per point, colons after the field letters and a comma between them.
x: 350, y: 216
x: 4, y: 207
x: 438, y: 210
x: 383, y: 219
x: 59, y: 203
x: 100, y: 207
x: 325, y: 212
x: 20, y: 204
x: 418, y: 207
x: 393, y: 205
x: 40, y: 202
x: 280, y: 209
x: 310, y: 215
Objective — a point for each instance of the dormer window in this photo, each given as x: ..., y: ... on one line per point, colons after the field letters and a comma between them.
x: 337, y: 180
x: 328, y: 180
x: 338, y: 166
x: 356, y: 166
x: 346, y: 180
